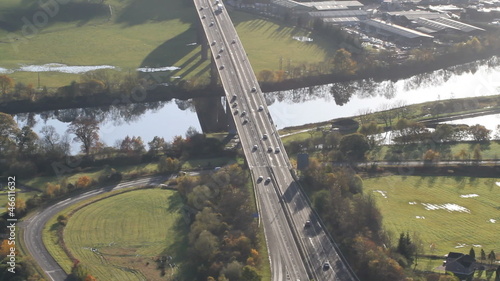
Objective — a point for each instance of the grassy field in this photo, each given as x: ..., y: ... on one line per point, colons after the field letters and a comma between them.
x: 138, y: 34
x: 401, y: 200
x: 119, y: 237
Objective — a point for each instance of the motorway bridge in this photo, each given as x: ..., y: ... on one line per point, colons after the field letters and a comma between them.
x: 297, y: 251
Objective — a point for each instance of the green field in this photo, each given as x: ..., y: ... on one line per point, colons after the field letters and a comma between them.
x: 139, y: 34
x: 403, y: 210
x: 127, y: 232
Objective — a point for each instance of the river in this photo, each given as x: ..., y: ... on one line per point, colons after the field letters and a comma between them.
x: 298, y: 106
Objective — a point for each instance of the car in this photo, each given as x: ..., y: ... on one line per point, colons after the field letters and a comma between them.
x: 216, y: 2
x: 235, y: 104
x: 201, y: 8
x: 307, y: 224
x: 269, y: 149
x: 268, y: 180
x: 277, y: 150
x: 233, y: 42
x: 254, y: 89
x: 260, y: 108
x: 243, y: 113
x: 221, y: 67
x: 326, y: 266
x: 234, y: 97
x: 261, y: 178
x: 218, y: 56
x: 255, y: 147
x: 211, y: 23
x: 213, y: 43
x: 203, y: 17
x: 264, y: 136
x: 235, y: 112
x: 245, y: 121
x: 221, y: 50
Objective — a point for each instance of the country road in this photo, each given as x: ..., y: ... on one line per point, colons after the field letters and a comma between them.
x: 33, y: 227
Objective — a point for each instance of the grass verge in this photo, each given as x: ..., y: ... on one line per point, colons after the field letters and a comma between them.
x: 119, y: 238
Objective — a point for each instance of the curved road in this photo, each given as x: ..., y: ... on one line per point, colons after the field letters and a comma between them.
x: 33, y: 226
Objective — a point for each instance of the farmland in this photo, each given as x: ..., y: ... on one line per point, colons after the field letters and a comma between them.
x: 452, y: 213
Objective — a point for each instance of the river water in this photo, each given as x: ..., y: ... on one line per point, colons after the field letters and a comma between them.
x: 300, y: 106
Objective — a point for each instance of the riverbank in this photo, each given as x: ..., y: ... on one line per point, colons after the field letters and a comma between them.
x: 66, y: 97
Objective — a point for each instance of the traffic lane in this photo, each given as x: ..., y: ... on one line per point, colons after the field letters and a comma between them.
x: 315, y: 248
x: 273, y: 217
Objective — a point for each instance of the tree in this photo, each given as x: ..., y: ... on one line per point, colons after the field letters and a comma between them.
x: 406, y: 247
x: 83, y: 182
x: 266, y: 76
x: 472, y: 253
x: 26, y: 141
x: 8, y: 132
x: 483, y: 255
x: 479, y: 133
x: 156, y: 145
x: 206, y: 245
x: 342, y: 62
x: 431, y: 155
x: 86, y: 130
x: 6, y: 83
x: 492, y: 257
x: 191, y: 132
x: 354, y: 146
x: 168, y: 165
x: 249, y: 274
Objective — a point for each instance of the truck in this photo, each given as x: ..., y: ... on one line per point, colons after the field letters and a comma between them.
x: 219, y: 8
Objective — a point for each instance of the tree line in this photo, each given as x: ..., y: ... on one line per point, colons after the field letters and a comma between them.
x: 222, y: 234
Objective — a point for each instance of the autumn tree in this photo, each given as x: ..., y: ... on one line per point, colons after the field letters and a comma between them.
x: 266, y: 76
x: 343, y: 63
x: 86, y: 130
x: 6, y: 83
x: 83, y: 182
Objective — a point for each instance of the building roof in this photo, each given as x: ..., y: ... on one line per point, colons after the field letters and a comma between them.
x: 340, y: 20
x: 459, y: 25
x: 459, y: 263
x: 433, y: 25
x: 289, y: 4
x: 425, y: 30
x: 333, y: 5
x: 412, y: 15
x: 339, y: 14
x: 397, y: 29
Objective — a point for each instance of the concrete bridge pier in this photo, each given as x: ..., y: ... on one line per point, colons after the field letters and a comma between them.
x: 211, y: 114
